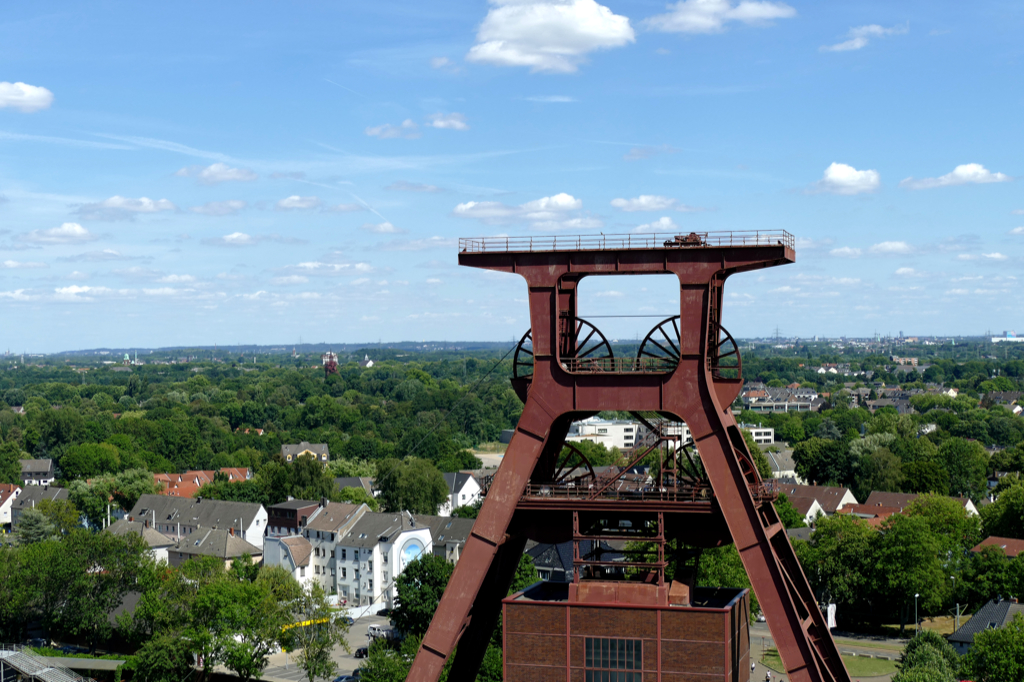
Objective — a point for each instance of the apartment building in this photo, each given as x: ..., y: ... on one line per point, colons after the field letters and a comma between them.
x: 618, y: 433
x: 179, y: 517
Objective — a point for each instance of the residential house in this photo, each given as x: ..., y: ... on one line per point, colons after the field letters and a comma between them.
x: 186, y: 484
x: 782, y: 464
x: 290, y: 553
x: 216, y: 542
x: 995, y: 614
x: 31, y: 496
x: 364, y: 482
x: 831, y: 498
x: 37, y: 471
x: 8, y: 494
x: 612, y: 433
x: 808, y: 507
x: 289, y: 517
x: 324, y: 529
x: 366, y: 362
x: 1010, y: 546
x: 180, y: 517
x: 903, y: 500
x: 763, y: 435
x: 318, y: 451
x: 157, y: 541
x: 463, y: 490
x: 554, y: 562
x: 448, y: 534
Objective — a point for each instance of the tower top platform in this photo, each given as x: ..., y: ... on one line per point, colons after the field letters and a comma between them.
x: 628, y: 242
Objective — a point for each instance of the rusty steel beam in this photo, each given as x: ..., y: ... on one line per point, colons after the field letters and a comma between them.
x: 695, y: 391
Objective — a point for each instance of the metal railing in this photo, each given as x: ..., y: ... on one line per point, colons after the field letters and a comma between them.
x: 618, y: 365
x: 31, y: 664
x: 618, y: 242
x: 766, y: 491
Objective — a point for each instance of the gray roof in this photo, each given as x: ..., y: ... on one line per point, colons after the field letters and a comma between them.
x: 298, y: 549
x: 315, y: 448
x: 781, y: 461
x: 364, y: 482
x: 445, y: 529
x: 197, y: 512
x: 373, y: 527
x: 31, y: 495
x: 335, y: 517
x: 456, y: 481
x: 222, y: 544
x: 293, y: 504
x: 153, y: 538
x: 36, y: 466
x: 994, y: 614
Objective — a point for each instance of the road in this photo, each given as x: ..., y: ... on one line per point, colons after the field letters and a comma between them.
x: 761, y: 638
x: 282, y: 667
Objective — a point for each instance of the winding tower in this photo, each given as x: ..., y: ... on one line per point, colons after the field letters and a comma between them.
x: 706, y: 491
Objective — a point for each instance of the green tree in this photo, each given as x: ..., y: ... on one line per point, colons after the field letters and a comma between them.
x: 788, y: 514
x: 907, y: 562
x: 1005, y: 517
x: 412, y: 484
x: 925, y: 477
x: 967, y: 462
x: 824, y: 461
x: 358, y: 496
x: 64, y: 516
x: 34, y: 526
x: 10, y: 466
x: 838, y: 559
x: 997, y: 654
x: 879, y: 470
x: 420, y: 587
x: 164, y: 658
x: 316, y: 641
x: 910, y: 660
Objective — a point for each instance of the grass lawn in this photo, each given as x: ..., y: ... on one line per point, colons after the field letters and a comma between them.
x: 490, y: 448
x: 855, y: 665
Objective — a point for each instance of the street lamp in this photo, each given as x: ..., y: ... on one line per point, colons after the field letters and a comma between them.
x: 917, y: 625
x: 957, y: 621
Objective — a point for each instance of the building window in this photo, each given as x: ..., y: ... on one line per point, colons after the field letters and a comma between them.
x: 344, y: 573
x: 343, y: 554
x: 302, y: 571
x: 613, y: 660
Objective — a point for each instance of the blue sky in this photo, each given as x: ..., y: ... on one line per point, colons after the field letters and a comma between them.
x: 251, y: 172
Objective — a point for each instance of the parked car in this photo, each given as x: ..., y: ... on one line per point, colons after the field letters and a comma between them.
x: 37, y: 641
x: 362, y: 652
x: 346, y: 678
x: 760, y: 618
x: 348, y: 620
x: 384, y: 612
x: 72, y: 649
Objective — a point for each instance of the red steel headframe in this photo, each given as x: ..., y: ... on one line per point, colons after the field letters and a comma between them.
x: 695, y: 392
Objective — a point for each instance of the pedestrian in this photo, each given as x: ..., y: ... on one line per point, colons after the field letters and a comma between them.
x: 752, y: 664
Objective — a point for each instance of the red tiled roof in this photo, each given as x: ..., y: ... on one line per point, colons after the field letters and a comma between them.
x: 1011, y: 546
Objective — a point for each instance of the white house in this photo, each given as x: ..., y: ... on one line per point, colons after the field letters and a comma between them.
x: 463, y: 490
x: 178, y: 517
x: 763, y: 435
x: 324, y: 530
x: 8, y: 493
x: 157, y: 541
x: 292, y: 554
x: 618, y: 433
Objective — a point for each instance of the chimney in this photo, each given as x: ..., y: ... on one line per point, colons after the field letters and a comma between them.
x: 199, y: 500
x: 232, y: 531
x: 323, y: 501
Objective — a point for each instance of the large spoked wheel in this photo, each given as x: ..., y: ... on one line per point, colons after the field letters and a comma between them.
x: 660, y: 348
x: 522, y: 361
x: 725, y: 360
x: 590, y: 349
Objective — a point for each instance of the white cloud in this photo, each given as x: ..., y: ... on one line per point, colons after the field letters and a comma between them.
x: 995, y: 256
x: 840, y: 178
x: 17, y: 295
x: 440, y: 62
x: 1018, y: 211
x: 907, y: 272
x: 177, y: 279
x: 67, y: 233
x: 1017, y: 230
x: 290, y: 279
x: 408, y: 130
x: 403, y: 186
x: 345, y: 208
x: 24, y: 97
x: 382, y: 228
x: 784, y: 290
x: 889, y: 248
x: 217, y: 173
x: 859, y: 37
x: 453, y: 121
x: 964, y: 174
x: 551, y: 208
x: 20, y: 265
x: 233, y: 239
x: 553, y: 36
x: 663, y: 224
x: 420, y: 244
x: 123, y: 208
x: 219, y: 208
x: 297, y: 202
x: 640, y: 153
x: 76, y: 292
x: 652, y: 202
x: 846, y: 252
x: 711, y: 16
x: 551, y: 99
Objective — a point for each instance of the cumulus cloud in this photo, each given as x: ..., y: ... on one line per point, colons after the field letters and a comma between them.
x: 217, y: 173
x: 98, y: 256
x: 907, y: 272
x: 20, y: 265
x: 840, y: 178
x: 711, y: 16
x: 652, y: 202
x: 407, y: 130
x: 440, y: 62
x: 295, y: 202
x: 177, y: 279
x: 322, y: 268
x: 420, y: 244
x: 453, y: 121
x: 546, y: 212
x: 860, y: 36
x: 123, y: 208
x: 24, y: 97
x: 551, y: 99
x: 891, y: 248
x: 240, y: 239
x: 67, y: 233
x: 290, y: 279
x: 845, y: 252
x: 77, y: 292
x: 964, y: 174
x: 663, y: 224
x: 1017, y: 230
x: 382, y: 228
x: 403, y: 186
x: 995, y: 256
x: 553, y: 36
x: 219, y: 208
